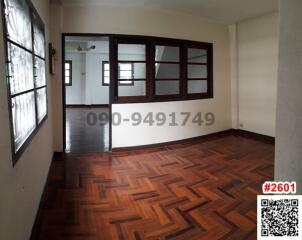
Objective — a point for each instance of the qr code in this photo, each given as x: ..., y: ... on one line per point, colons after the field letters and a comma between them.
x: 279, y: 216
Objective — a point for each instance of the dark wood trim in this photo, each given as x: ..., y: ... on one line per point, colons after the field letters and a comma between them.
x: 87, y: 106
x: 70, y: 72
x: 209, y: 64
x: 111, y: 85
x: 63, y: 91
x: 167, y: 43
x: 35, y: 231
x: 150, y: 42
x: 131, y: 61
x: 126, y: 40
x: 120, y: 80
x: 131, y: 99
x: 112, y: 96
x: 252, y: 135
x: 171, y: 97
x: 135, y: 38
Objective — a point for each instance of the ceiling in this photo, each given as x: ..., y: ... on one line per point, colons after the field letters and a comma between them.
x: 221, y: 11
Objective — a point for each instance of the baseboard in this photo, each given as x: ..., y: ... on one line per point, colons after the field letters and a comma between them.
x: 182, y: 141
x: 236, y: 132
x: 87, y: 106
x: 36, y: 228
x: 252, y: 135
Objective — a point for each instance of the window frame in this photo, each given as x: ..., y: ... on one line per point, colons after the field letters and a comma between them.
x: 114, y: 73
x: 150, y: 43
x: 34, y: 19
x: 166, y: 43
x: 70, y: 72
x: 209, y: 64
x: 120, y: 84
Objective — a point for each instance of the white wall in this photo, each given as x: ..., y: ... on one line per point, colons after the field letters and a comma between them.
x: 124, y: 20
x: 21, y: 187
x: 87, y: 85
x: 234, y: 75
x: 87, y: 70
x: 75, y: 94
x: 257, y: 46
x: 288, y: 159
x: 96, y: 93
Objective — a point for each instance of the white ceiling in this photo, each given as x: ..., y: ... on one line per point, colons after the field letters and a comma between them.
x: 221, y: 11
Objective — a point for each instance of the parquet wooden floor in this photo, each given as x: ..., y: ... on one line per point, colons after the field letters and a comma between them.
x: 201, y: 190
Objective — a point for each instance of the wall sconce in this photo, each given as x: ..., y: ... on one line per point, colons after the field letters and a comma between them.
x: 51, y: 53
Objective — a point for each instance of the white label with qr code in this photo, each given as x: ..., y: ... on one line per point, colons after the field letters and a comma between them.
x: 279, y: 217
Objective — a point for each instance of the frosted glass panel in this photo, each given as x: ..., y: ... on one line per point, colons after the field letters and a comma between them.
x: 197, y: 71
x: 138, y: 89
x: 197, y: 55
x: 166, y: 70
x: 18, y: 22
x: 197, y: 86
x: 40, y: 72
x: 41, y: 103
x: 132, y: 71
x: 133, y: 52
x: 39, y: 40
x: 167, y: 87
x: 24, y: 117
x: 20, y: 69
x: 166, y: 53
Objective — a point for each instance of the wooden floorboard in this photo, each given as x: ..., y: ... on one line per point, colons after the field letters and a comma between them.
x: 201, y: 190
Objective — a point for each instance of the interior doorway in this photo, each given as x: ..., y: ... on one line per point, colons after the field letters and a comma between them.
x: 86, y: 94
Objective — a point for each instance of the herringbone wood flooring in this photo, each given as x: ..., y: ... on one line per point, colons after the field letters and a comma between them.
x: 202, y: 190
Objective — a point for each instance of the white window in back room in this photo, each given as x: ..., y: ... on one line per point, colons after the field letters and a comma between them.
x: 125, y: 74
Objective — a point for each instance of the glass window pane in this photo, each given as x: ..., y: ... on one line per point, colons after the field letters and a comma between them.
x: 67, y: 80
x: 139, y: 71
x: 137, y: 89
x: 20, y: 69
x: 197, y: 86
x: 24, y: 117
x: 106, y: 80
x: 106, y: 67
x: 67, y: 73
x: 18, y: 22
x: 167, y: 87
x: 197, y: 55
x: 125, y: 75
x: 167, y: 70
x: 126, y: 82
x: 67, y: 66
x: 132, y: 52
x: 41, y: 103
x: 197, y: 71
x: 166, y: 53
x: 125, y: 66
x: 39, y: 39
x: 40, y: 72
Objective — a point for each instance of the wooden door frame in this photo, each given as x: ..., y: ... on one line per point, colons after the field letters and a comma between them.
x: 63, y: 36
